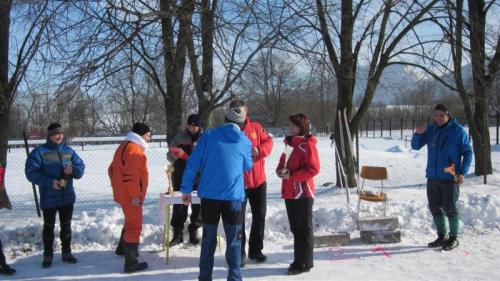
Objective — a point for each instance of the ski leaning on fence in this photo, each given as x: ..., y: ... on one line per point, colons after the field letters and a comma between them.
x: 349, y: 138
x: 342, y: 166
x: 37, y: 204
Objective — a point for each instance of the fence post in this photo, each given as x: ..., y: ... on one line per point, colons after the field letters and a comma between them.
x: 373, y: 127
x: 413, y: 125
x: 401, y: 128
x: 498, y: 122
x: 366, y: 131
x: 357, y: 152
x: 381, y: 128
x: 83, y: 145
x: 390, y: 129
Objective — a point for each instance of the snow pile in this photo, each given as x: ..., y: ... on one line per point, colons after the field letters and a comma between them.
x: 480, y: 212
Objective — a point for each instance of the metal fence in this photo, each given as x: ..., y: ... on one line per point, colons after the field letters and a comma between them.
x: 94, y: 190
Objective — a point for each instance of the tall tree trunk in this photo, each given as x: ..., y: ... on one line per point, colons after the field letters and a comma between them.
x: 482, y: 149
x: 345, y: 79
x: 174, y: 60
x: 5, y: 89
x: 206, y: 105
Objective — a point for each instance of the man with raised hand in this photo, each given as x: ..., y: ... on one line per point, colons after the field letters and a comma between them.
x: 449, y: 155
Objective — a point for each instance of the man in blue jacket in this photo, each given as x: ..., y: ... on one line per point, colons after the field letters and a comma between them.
x: 222, y: 156
x: 53, y: 166
x: 449, y: 156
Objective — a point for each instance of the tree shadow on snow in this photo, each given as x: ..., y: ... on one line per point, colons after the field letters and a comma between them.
x: 104, y: 265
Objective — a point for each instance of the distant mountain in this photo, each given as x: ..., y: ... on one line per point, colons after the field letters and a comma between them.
x: 400, y: 78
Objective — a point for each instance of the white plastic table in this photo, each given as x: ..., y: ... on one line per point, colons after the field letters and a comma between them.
x: 166, y: 201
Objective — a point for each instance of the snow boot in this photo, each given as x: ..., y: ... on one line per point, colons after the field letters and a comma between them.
x: 294, y: 269
x: 47, y: 261
x: 258, y: 257
x: 119, y: 249
x: 193, y: 235
x: 7, y: 270
x: 4, y: 268
x: 69, y: 258
x: 451, y: 244
x: 439, y: 242
x: 178, y: 237
x: 131, y: 263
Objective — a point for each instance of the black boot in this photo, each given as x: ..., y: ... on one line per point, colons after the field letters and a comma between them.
x: 451, y: 244
x: 258, y: 257
x: 47, y: 261
x: 69, y: 258
x: 4, y: 268
x: 439, y: 242
x: 193, y: 235
x: 119, y: 249
x: 295, y: 269
x: 131, y: 263
x: 177, y: 239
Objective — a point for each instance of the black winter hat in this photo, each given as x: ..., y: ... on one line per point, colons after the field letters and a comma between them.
x: 194, y: 120
x: 443, y: 108
x: 140, y: 129
x: 54, y: 129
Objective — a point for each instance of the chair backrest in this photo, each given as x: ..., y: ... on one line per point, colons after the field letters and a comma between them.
x: 373, y: 173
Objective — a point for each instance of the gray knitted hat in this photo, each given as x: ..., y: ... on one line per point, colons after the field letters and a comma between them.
x: 236, y: 115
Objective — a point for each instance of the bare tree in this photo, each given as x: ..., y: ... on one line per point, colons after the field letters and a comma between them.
x: 269, y: 82
x: 231, y: 35
x: 37, y: 17
x: 353, y: 33
x: 472, y: 42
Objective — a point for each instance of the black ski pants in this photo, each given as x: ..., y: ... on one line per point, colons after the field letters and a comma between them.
x: 49, y: 221
x: 258, y: 205
x: 299, y: 213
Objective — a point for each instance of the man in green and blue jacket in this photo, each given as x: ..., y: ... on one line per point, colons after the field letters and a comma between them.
x: 53, y: 166
x: 449, y: 156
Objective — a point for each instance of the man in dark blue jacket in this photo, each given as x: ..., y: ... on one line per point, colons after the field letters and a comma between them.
x: 449, y: 156
x: 222, y: 156
x: 53, y: 166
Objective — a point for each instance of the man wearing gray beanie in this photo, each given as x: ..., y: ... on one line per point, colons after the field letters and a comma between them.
x: 255, y: 181
x: 221, y: 157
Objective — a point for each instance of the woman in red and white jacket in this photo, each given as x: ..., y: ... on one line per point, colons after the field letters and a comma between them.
x: 297, y: 189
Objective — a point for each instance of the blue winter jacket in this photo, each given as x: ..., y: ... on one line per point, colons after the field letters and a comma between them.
x: 222, y: 156
x: 446, y: 145
x: 46, y: 163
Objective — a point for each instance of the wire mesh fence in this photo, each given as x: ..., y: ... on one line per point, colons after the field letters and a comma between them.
x: 376, y: 137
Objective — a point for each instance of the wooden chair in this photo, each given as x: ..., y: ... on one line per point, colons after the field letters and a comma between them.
x: 372, y: 173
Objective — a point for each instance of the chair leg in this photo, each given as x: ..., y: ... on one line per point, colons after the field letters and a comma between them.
x: 359, y: 205
x: 359, y: 199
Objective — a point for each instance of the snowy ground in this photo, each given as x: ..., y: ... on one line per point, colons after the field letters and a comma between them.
x: 97, y: 225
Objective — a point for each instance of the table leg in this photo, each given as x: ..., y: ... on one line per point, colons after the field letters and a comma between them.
x: 166, y: 236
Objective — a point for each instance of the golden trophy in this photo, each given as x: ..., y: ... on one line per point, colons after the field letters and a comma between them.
x: 169, y: 170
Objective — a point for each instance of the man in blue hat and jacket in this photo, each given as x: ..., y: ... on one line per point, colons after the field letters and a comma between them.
x: 449, y: 155
x: 53, y: 166
x: 221, y: 157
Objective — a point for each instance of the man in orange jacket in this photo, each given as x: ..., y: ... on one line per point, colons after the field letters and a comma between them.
x: 129, y: 178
